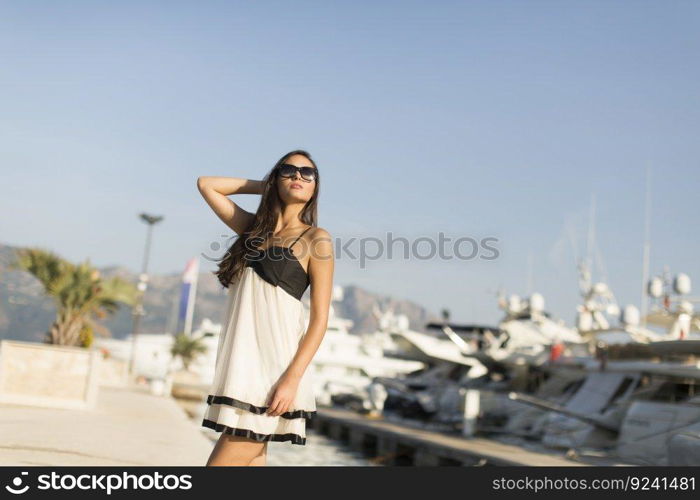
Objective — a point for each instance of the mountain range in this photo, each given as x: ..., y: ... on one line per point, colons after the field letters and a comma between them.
x: 26, y: 312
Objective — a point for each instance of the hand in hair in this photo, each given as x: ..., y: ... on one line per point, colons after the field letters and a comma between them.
x: 215, y: 191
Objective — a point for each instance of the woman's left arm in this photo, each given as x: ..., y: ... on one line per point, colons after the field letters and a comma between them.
x: 320, y: 268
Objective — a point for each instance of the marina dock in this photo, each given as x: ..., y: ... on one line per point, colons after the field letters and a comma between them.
x: 128, y: 427
x: 397, y: 444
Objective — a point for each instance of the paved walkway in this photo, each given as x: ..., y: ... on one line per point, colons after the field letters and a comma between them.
x: 128, y: 426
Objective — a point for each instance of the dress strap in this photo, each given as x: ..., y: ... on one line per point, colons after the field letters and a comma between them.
x: 302, y: 234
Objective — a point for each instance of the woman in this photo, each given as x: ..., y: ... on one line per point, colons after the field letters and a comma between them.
x: 262, y: 390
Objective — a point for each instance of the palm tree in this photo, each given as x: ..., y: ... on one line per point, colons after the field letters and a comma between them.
x: 81, y: 296
x: 188, y: 348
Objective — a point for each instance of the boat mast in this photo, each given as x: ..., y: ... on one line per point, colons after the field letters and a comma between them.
x: 646, y: 251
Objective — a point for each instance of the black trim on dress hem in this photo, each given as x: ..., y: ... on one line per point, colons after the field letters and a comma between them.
x: 237, y: 403
x: 237, y: 431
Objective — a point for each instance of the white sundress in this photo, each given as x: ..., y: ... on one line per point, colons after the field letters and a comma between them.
x: 264, y: 321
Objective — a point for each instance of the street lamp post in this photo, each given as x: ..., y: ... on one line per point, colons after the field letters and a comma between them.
x: 138, y: 311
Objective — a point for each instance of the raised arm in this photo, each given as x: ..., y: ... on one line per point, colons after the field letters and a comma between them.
x: 215, y: 191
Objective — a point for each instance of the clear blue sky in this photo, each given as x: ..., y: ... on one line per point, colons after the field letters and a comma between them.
x: 472, y: 118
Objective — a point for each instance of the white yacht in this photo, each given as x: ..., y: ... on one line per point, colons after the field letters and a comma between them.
x: 346, y: 364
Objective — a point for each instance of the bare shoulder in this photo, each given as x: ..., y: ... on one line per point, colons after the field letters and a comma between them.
x: 319, y: 234
x: 321, y: 242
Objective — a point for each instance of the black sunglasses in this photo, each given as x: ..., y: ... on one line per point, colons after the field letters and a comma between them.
x: 307, y: 173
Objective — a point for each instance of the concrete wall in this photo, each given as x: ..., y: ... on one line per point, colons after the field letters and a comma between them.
x: 48, y: 375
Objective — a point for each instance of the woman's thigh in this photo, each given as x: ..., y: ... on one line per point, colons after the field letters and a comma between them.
x: 235, y: 450
x: 261, y: 459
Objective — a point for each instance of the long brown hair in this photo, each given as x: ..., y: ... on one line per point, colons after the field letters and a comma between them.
x: 233, y: 262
